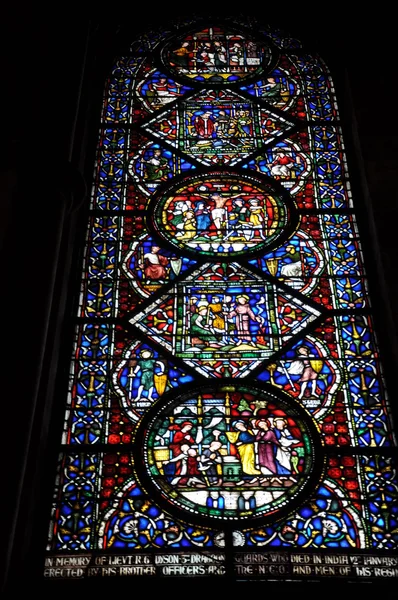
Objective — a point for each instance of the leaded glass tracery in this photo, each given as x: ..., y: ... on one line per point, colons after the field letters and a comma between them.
x: 226, y: 391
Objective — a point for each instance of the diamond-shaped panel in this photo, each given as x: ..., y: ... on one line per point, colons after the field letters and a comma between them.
x: 218, y: 127
x: 224, y: 320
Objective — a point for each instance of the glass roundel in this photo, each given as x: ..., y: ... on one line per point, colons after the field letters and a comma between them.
x: 222, y: 215
x: 228, y: 453
x: 216, y: 55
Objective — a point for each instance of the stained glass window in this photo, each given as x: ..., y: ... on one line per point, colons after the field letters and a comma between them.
x: 227, y: 415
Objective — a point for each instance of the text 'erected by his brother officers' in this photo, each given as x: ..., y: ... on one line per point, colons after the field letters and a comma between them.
x: 275, y: 565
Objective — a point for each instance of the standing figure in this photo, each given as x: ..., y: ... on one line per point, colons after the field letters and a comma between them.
x: 267, y: 444
x: 309, y: 375
x: 238, y: 220
x: 219, y: 213
x: 201, y: 57
x: 256, y: 218
x: 210, y: 61
x: 204, y: 125
x: 252, y: 54
x: 242, y: 313
x: 243, y: 122
x: 220, y: 55
x: 236, y: 57
x: 215, y: 312
x: 244, y: 439
x: 146, y: 368
x: 202, y: 216
x: 285, y: 443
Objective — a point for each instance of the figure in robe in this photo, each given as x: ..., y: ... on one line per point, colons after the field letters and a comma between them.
x: 202, y: 216
x: 242, y: 313
x: 220, y: 55
x: 181, y: 435
x: 271, y: 89
x: 181, y: 56
x: 267, y: 447
x: 201, y: 331
x: 216, y: 312
x: 236, y: 57
x: 239, y: 226
x: 204, y: 125
x: 294, y: 269
x: 201, y: 57
x: 157, y: 168
x: 181, y: 207
x: 189, y: 226
x: 186, y: 472
x: 244, y: 439
x: 181, y: 441
x: 243, y: 123
x: 210, y: 462
x: 154, y: 265
x: 281, y: 165
x: 256, y: 218
x: 286, y: 440
x: 161, y: 92
x: 222, y: 124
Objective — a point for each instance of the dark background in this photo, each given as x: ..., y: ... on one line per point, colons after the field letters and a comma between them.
x: 52, y: 81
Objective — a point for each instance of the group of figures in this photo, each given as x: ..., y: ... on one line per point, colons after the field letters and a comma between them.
x: 258, y: 452
x: 218, y: 124
x: 228, y: 453
x: 217, y: 216
x: 223, y: 321
x: 207, y: 52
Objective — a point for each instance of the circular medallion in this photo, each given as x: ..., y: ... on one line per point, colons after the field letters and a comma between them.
x: 223, y: 215
x: 230, y: 452
x: 216, y: 55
